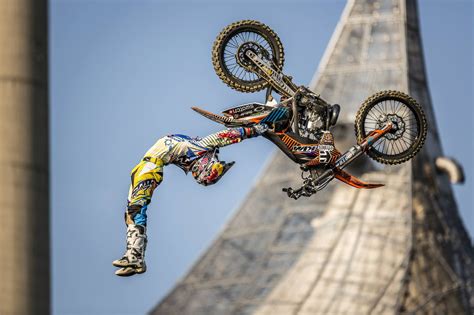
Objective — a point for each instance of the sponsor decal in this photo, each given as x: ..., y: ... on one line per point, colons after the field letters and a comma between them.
x: 300, y: 148
x: 249, y: 111
x: 240, y: 109
x: 143, y: 185
x: 324, y: 156
x: 343, y: 159
x: 326, y: 147
x: 312, y: 148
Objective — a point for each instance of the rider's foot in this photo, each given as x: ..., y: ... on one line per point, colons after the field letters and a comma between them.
x: 133, y: 261
x: 131, y: 270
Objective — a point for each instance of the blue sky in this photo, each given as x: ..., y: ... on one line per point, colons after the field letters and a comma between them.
x: 124, y: 73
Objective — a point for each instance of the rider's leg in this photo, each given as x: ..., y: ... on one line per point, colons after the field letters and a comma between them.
x: 146, y: 176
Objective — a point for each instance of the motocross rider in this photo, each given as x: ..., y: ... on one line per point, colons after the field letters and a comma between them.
x: 190, y: 154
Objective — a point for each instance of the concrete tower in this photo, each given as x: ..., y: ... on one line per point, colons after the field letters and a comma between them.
x: 400, y: 249
x: 24, y: 184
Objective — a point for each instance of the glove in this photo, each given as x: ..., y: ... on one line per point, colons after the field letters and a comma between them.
x: 254, y: 131
x: 260, y: 129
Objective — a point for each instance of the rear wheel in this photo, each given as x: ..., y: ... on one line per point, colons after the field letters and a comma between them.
x: 247, y: 34
x: 405, y: 113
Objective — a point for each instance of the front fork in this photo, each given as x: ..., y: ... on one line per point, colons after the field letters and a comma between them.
x: 273, y: 76
x: 357, y: 150
x: 313, y: 185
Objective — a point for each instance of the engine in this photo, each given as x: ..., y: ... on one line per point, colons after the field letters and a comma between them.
x: 313, y: 115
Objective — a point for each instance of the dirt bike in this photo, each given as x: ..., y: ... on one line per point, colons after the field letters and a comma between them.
x: 390, y: 126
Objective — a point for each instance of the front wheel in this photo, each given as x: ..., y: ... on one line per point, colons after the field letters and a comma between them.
x: 406, y: 140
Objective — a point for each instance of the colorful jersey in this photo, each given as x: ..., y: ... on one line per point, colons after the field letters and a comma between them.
x: 181, y: 149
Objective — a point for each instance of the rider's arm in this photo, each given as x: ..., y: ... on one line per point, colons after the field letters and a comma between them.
x: 232, y: 135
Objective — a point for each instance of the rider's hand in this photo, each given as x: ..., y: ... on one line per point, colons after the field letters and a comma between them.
x: 260, y: 128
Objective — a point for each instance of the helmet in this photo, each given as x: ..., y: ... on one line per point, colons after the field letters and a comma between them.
x: 207, y: 170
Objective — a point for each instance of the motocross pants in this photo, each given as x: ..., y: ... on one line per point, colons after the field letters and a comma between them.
x: 145, y: 177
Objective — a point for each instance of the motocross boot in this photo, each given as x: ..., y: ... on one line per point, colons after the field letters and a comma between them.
x: 133, y: 261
